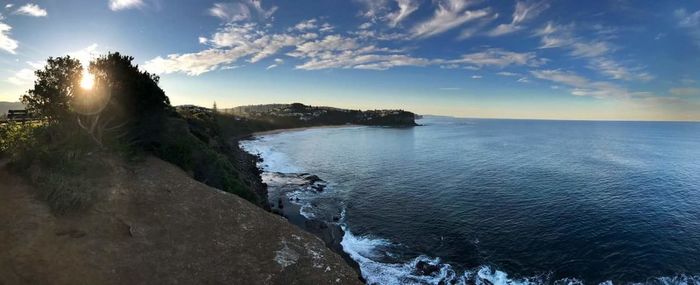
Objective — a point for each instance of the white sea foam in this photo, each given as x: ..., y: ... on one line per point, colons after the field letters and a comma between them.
x: 273, y: 160
x: 367, y: 250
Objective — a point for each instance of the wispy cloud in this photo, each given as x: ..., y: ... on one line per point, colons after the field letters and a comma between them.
x: 499, y: 58
x: 241, y: 10
x: 581, y: 86
x: 31, y: 10
x: 449, y: 14
x: 524, y: 11
x: 617, y: 71
x: 117, y: 5
x: 406, y: 8
x: 305, y: 43
x: 690, y: 22
x: 392, y: 12
x: 561, y: 36
x: 685, y: 91
x: 22, y: 77
x: 7, y: 43
x: 598, y: 53
x: 506, y: 73
x: 278, y: 62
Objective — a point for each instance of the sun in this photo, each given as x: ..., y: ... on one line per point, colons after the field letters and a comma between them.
x: 87, y: 81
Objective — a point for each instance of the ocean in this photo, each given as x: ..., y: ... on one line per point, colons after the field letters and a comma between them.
x: 481, y: 201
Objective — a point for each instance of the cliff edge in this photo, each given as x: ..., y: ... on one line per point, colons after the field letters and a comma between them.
x: 153, y: 224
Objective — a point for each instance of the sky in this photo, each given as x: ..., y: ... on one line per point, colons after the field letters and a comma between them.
x: 540, y: 59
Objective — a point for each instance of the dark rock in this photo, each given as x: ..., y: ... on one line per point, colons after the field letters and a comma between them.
x: 279, y: 203
x: 319, y: 187
x: 426, y: 269
x: 312, y: 178
x: 336, y: 218
x: 277, y: 212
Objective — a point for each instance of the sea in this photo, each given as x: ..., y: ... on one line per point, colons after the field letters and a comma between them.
x: 490, y: 201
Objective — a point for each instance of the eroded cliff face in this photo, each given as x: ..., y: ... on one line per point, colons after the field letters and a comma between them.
x: 156, y: 225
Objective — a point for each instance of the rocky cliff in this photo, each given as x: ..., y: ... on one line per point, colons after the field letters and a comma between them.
x: 153, y: 224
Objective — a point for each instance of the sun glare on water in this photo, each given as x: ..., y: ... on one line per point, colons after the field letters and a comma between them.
x: 87, y: 81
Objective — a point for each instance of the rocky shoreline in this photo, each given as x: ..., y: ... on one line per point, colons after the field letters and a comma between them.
x: 283, y: 202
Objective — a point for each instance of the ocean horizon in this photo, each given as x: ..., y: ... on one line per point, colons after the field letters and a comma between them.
x: 501, y: 201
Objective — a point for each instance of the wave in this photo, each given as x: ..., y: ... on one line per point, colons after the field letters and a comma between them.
x: 273, y: 160
x: 367, y: 250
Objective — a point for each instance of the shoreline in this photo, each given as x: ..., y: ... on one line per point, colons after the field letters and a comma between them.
x: 277, y: 131
x: 279, y: 203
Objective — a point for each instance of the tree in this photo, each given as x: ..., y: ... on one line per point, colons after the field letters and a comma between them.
x: 214, y: 108
x: 135, y: 99
x: 56, y: 85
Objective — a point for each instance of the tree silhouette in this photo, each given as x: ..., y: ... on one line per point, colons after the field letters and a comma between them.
x: 135, y: 99
x: 56, y: 85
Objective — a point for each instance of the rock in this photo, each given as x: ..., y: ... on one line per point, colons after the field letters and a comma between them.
x: 336, y: 218
x: 312, y: 178
x: 318, y: 187
x: 278, y: 212
x: 279, y: 203
x: 426, y: 269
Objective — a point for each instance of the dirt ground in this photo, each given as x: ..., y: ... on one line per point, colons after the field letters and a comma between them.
x: 156, y: 225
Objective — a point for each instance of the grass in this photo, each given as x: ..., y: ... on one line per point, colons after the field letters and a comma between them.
x: 60, y: 161
x: 65, y: 194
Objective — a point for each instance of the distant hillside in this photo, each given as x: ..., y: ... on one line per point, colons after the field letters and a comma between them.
x: 4, y: 106
x: 300, y: 115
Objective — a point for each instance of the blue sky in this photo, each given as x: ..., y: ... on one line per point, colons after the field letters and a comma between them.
x: 607, y: 59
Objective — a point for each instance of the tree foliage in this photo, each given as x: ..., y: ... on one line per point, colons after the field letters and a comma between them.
x: 56, y: 85
x: 135, y: 97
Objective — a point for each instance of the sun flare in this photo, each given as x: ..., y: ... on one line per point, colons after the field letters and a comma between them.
x: 87, y: 81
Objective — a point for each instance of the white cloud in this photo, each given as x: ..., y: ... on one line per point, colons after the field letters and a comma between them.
x: 22, y: 77
x: 6, y: 43
x: 448, y: 15
x: 202, y: 40
x: 477, y: 77
x: 523, y: 80
x: 617, y: 71
x: 252, y: 42
x: 596, y: 52
x: 504, y: 29
x: 590, y: 49
x: 684, y: 91
x: 228, y: 45
x: 365, y: 26
x: 116, y: 5
x: 499, y: 58
x: 505, y: 73
x: 87, y: 54
x: 241, y: 10
x: 406, y: 8
x: 8, y: 6
x: 524, y: 11
x: 306, y: 25
x: 581, y: 86
x: 278, y: 62
x: 384, y: 10
x: 690, y: 22
x: 687, y: 20
x: 31, y: 10
x: 326, y: 27
x: 335, y: 51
